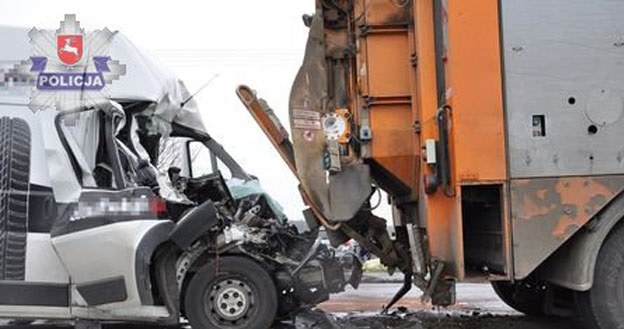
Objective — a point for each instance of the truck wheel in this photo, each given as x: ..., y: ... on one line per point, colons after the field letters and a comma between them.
x: 233, y: 293
x: 14, y: 182
x: 524, y: 296
x: 602, y: 307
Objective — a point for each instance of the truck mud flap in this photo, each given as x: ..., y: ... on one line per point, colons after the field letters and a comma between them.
x: 14, y: 189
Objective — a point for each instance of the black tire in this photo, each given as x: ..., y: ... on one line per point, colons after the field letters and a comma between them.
x: 525, y: 296
x: 602, y: 307
x: 233, y: 293
x: 14, y: 189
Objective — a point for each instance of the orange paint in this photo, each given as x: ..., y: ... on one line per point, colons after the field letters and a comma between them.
x: 474, y: 92
x: 546, y: 212
x: 438, y: 212
x: 385, y: 80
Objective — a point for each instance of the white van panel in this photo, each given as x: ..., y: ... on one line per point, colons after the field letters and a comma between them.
x: 42, y: 263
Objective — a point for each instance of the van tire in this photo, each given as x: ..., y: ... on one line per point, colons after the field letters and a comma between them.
x: 602, y: 307
x: 231, y: 292
x: 15, y: 145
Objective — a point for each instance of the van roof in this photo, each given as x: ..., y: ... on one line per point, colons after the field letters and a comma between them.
x: 145, y: 78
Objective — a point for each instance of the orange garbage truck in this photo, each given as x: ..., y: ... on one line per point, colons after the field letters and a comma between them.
x: 495, y: 128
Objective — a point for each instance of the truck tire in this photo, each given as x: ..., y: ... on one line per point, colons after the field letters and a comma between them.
x: 523, y: 296
x: 14, y: 189
x: 231, y: 292
x: 602, y: 307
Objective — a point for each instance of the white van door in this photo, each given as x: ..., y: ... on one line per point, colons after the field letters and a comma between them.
x: 106, y: 242
x: 107, y: 236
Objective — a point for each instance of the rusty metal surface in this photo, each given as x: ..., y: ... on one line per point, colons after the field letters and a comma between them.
x: 309, y: 101
x: 546, y: 212
x: 269, y: 123
x: 573, y: 266
x: 308, y: 92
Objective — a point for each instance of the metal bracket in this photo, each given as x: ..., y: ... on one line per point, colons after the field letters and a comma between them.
x: 366, y: 133
x: 332, y: 160
x: 419, y: 265
x: 407, y: 286
x: 440, y: 292
x: 435, y: 277
x: 414, y: 60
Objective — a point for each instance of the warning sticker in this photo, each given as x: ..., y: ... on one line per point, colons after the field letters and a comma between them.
x: 305, y: 114
x: 307, y: 124
x: 304, y: 119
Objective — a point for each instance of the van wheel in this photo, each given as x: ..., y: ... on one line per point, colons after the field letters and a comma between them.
x: 526, y: 296
x: 602, y: 307
x: 14, y: 189
x: 233, y: 293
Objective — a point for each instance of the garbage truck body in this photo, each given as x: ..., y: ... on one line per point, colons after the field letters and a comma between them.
x: 493, y: 126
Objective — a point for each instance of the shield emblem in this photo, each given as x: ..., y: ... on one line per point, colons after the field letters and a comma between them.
x: 69, y: 48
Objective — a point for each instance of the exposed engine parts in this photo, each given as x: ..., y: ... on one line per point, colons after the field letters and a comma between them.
x: 306, y: 271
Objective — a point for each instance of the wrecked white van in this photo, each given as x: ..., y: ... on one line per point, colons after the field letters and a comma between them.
x: 104, y: 215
